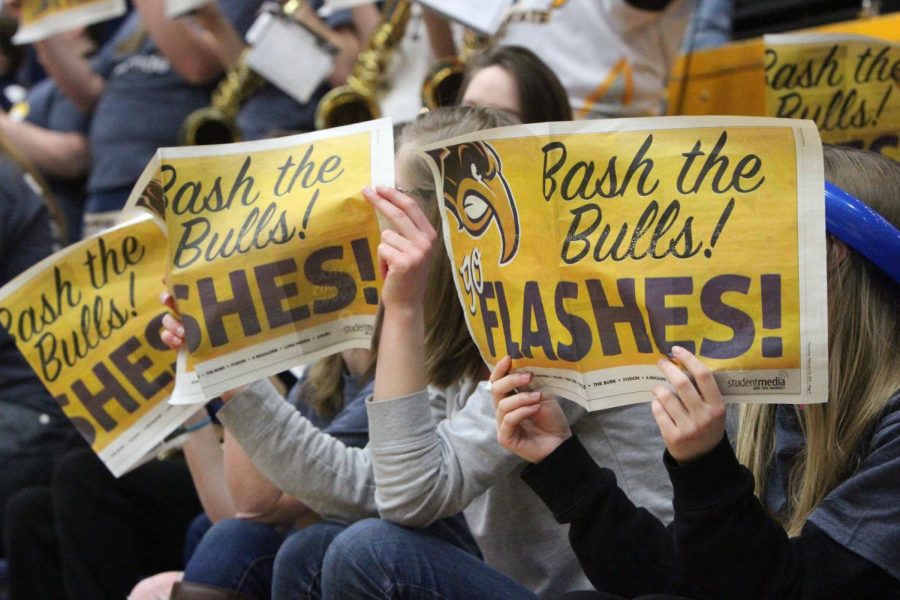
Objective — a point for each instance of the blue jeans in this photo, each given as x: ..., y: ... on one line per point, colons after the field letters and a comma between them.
x: 194, y: 535
x: 298, y: 565
x: 238, y: 555
x: 377, y: 559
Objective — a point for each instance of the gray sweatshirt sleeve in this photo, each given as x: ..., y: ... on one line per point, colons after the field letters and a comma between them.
x: 426, y: 469
x: 332, y: 479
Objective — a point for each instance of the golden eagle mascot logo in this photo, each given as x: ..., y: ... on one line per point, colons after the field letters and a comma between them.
x: 477, y: 194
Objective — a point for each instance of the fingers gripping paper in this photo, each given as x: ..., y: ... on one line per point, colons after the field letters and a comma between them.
x: 88, y: 321
x: 271, y: 249
x: 585, y: 251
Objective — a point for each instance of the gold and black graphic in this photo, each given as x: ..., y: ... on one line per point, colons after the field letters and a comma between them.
x: 153, y: 199
x: 476, y: 192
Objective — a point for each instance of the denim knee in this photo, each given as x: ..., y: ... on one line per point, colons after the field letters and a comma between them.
x: 298, y: 564
x: 236, y: 554
x: 363, y: 558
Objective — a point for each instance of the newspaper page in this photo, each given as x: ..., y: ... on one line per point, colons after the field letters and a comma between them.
x: 271, y: 250
x: 88, y: 320
x: 848, y: 84
x: 40, y: 19
x: 484, y: 16
x: 176, y: 8
x: 586, y: 250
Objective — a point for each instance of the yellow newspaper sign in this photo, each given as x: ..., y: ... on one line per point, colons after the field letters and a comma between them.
x: 585, y: 251
x: 271, y: 248
x: 41, y: 19
x: 849, y: 85
x: 88, y: 320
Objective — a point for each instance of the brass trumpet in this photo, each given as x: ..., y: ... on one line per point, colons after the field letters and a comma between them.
x: 444, y: 79
x: 356, y: 101
x: 217, y: 123
x: 442, y: 83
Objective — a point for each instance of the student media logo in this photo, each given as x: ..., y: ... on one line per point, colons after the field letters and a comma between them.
x: 749, y: 383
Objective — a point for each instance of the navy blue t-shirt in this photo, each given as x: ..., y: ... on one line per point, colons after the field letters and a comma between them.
x: 27, y: 411
x: 861, y: 514
x: 351, y: 424
x: 144, y: 103
x: 49, y: 108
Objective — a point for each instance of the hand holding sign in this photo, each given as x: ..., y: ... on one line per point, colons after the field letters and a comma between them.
x: 692, y: 418
x: 404, y: 254
x: 529, y: 424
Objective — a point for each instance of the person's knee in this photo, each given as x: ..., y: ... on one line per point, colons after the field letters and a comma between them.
x: 298, y: 564
x: 232, y: 531
x: 233, y: 542
x: 364, y: 552
x: 235, y: 554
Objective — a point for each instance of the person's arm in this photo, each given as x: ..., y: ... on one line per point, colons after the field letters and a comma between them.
x: 728, y: 544
x: 404, y: 256
x: 311, y: 467
x: 425, y: 469
x: 255, y: 497
x: 204, y: 459
x: 72, y: 73
x: 731, y: 547
x: 365, y: 20
x: 190, y: 52
x: 219, y: 34
x: 622, y: 548
x: 440, y: 35
x: 320, y: 471
x: 54, y: 153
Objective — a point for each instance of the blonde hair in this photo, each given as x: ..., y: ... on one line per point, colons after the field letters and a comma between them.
x: 450, y: 353
x: 323, y: 389
x: 863, y: 355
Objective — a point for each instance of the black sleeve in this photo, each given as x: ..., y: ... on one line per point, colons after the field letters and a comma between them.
x: 623, y: 549
x: 730, y: 547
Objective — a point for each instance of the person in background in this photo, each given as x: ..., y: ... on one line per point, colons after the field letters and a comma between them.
x: 427, y: 468
x: 613, y: 58
x: 807, y: 507
x: 238, y: 554
x: 269, y: 110
x: 145, y: 80
x: 51, y: 133
x: 513, y: 78
x: 34, y: 432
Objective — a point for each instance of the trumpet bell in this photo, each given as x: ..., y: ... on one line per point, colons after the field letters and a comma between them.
x: 345, y: 106
x: 209, y: 126
x: 442, y: 84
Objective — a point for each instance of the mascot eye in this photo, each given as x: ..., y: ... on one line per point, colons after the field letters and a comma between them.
x: 475, y: 208
x: 475, y: 174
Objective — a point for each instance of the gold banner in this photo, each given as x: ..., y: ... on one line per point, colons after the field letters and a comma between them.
x: 586, y: 250
x: 848, y: 85
x: 88, y: 320
x: 271, y: 248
